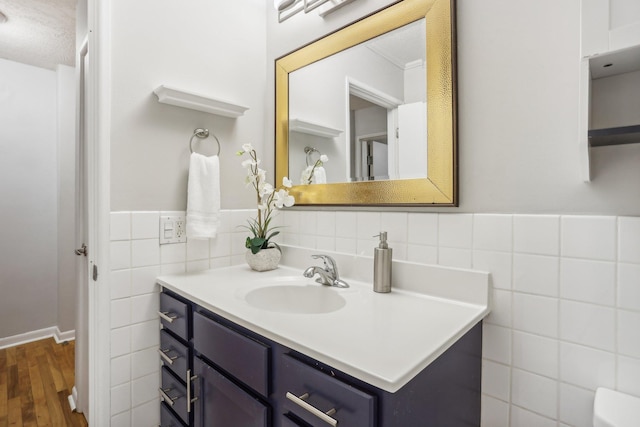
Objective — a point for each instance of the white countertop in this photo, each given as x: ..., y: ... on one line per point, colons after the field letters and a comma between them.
x: 382, y: 339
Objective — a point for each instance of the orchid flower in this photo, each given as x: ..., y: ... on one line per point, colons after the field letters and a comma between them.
x: 267, y: 199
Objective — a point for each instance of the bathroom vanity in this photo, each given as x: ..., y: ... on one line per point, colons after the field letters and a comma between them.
x: 241, y: 348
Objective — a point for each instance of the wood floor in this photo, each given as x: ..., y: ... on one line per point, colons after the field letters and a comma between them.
x: 35, y: 382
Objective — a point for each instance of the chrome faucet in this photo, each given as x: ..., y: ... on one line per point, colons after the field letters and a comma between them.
x: 328, y: 275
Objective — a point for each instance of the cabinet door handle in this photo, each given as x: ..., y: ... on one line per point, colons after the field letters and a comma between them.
x: 168, y: 316
x: 190, y: 400
x: 324, y: 416
x: 165, y: 357
x: 170, y: 400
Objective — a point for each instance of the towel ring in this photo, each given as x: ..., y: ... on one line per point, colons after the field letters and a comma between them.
x: 309, y: 151
x: 203, y: 134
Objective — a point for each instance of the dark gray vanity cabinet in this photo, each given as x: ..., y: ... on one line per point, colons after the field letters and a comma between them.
x: 232, y: 370
x: 444, y: 394
x: 317, y: 398
x: 221, y: 402
x: 212, y: 375
x: 175, y: 354
x: 237, y: 378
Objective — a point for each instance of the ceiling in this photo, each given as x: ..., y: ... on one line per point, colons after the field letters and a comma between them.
x: 39, y: 32
x: 403, y: 46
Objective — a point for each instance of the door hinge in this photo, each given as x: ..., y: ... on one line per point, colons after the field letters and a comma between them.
x: 95, y: 273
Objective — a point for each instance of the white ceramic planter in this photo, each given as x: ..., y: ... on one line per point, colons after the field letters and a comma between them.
x: 264, y: 260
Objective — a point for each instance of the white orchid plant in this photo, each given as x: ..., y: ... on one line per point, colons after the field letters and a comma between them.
x: 267, y: 197
x: 308, y: 172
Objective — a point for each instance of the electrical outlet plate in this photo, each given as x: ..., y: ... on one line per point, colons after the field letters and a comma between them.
x: 173, y: 229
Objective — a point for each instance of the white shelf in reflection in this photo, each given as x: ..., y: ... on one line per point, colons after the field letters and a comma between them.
x: 304, y: 126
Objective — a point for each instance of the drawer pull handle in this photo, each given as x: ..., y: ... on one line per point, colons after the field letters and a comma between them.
x: 168, y: 316
x: 165, y: 357
x: 324, y: 416
x: 170, y: 400
x: 189, y: 399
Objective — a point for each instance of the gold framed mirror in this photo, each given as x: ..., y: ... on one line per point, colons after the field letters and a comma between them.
x: 436, y: 182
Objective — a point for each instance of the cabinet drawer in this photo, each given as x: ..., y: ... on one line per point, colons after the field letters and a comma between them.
x: 174, y: 316
x: 241, y: 356
x: 174, y: 354
x: 288, y: 421
x: 221, y: 403
x: 167, y: 418
x: 174, y: 394
x: 307, y: 388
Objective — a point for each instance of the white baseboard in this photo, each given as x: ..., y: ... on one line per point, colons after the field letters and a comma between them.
x: 73, y: 399
x: 40, y: 334
x: 64, y: 336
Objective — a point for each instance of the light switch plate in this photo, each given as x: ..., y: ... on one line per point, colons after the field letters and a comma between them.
x: 173, y: 229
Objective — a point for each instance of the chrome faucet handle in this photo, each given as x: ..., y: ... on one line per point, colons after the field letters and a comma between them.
x: 329, y: 263
x: 328, y: 276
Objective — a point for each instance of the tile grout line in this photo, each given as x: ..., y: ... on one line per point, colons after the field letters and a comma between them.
x: 559, y: 314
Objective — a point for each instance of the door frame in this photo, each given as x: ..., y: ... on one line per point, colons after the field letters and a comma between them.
x: 377, y: 97
x: 98, y: 122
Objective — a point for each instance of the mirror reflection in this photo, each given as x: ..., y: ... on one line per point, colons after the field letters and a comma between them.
x: 369, y: 125
x: 361, y: 114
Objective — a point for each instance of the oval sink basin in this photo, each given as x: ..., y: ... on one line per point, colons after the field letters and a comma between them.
x: 309, y: 299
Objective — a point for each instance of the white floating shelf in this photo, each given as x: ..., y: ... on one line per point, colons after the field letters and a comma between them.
x: 603, y: 65
x: 616, y: 62
x: 195, y: 101
x: 303, y: 126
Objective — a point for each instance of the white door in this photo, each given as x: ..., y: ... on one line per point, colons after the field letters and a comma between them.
x: 81, y: 388
x: 411, y: 156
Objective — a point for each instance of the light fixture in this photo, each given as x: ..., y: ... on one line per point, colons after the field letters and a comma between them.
x: 287, y: 8
x: 281, y: 5
x: 3, y: 17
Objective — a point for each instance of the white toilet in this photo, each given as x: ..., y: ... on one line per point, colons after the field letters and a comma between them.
x: 615, y: 409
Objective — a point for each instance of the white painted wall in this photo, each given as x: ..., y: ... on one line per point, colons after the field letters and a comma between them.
x: 415, y: 85
x: 623, y: 12
x: 624, y: 23
x: 517, y: 108
x: 210, y: 47
x: 615, y: 101
x: 28, y: 212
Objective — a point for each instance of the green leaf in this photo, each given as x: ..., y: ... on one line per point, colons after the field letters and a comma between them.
x: 258, y: 241
x: 275, y: 233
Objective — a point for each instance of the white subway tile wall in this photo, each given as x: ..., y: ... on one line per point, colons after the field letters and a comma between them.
x: 144, y: 225
x: 566, y: 299
x: 628, y: 243
x: 137, y: 259
x: 536, y: 234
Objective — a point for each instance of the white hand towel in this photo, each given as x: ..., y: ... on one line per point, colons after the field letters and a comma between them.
x: 203, y: 197
x: 319, y: 176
